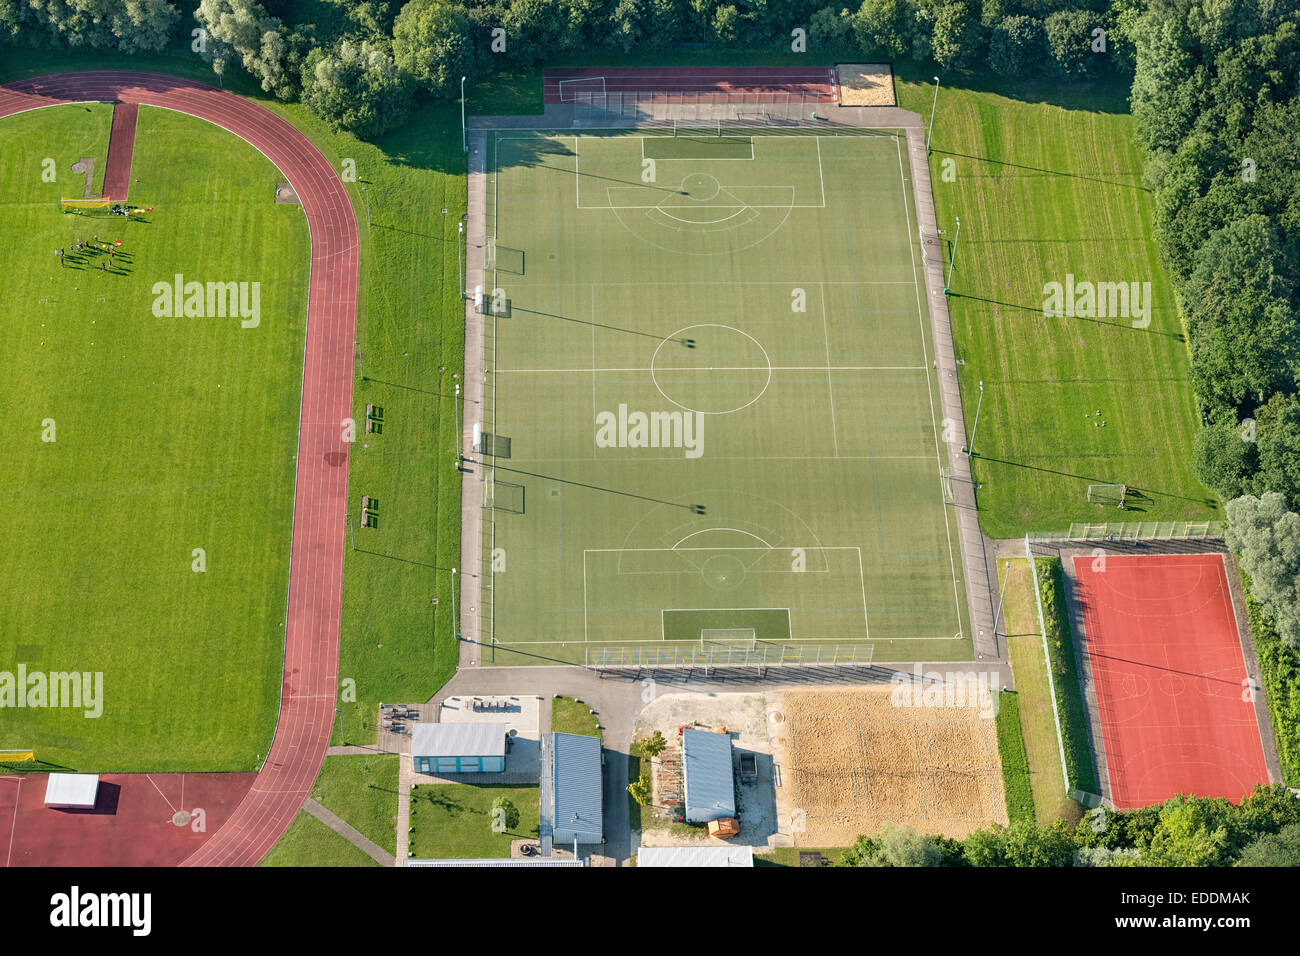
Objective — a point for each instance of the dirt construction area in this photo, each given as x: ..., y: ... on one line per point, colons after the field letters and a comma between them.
x: 853, y: 761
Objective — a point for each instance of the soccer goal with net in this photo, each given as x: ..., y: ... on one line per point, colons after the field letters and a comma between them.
x: 1107, y: 495
x: 744, y: 638
x: 585, y: 89
x: 86, y: 206
x: 697, y: 127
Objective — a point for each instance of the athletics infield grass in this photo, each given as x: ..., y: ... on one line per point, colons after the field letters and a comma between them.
x: 711, y: 418
x: 170, y: 435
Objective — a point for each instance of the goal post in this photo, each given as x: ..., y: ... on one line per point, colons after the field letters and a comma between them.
x: 1107, y: 494
x: 696, y: 127
x: 583, y: 89
x: 742, y: 638
x: 17, y: 756
x: 84, y: 206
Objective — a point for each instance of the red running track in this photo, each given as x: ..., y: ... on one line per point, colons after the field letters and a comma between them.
x: 121, y: 147
x: 320, y: 494
x: 737, y: 84
x: 1170, y: 677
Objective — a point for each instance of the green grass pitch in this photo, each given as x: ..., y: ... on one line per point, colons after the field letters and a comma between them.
x: 710, y: 402
x: 1045, y: 192
x: 171, y: 434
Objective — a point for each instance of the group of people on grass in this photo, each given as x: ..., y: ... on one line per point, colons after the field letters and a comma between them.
x: 80, y: 250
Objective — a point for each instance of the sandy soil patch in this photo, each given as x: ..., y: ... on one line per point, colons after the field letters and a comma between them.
x: 866, y: 84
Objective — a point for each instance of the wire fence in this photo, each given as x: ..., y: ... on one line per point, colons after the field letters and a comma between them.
x: 1121, y: 531
x: 651, y: 656
x: 643, y: 107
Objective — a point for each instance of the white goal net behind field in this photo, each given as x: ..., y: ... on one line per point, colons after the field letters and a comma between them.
x: 697, y: 111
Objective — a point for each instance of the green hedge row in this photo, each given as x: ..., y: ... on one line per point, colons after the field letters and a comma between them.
x: 1065, y: 677
x: 1279, y: 666
x: 1015, y: 762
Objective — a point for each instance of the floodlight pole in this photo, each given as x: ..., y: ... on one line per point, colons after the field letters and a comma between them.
x: 464, y: 137
x: 361, y: 361
x: 970, y: 449
x: 952, y: 260
x: 459, y: 437
x: 460, y: 270
x: 1006, y: 574
x: 933, y: 107
x: 342, y: 739
x: 351, y: 531
x: 366, y: 193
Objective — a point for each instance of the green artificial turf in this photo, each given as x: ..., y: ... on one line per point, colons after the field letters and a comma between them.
x: 768, y: 310
x: 169, y: 435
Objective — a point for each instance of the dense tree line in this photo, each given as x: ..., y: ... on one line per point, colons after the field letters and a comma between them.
x: 361, y: 65
x: 1216, y: 104
x: 1263, y: 830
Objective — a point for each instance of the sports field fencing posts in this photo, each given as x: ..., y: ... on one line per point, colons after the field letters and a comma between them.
x: 1047, y: 660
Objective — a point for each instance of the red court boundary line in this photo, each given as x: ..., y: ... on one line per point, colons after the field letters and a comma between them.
x: 1169, y: 672
x: 738, y: 84
x: 311, y: 646
x: 121, y: 147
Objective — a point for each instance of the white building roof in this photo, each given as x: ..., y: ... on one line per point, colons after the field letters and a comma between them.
x: 695, y: 856
x: 470, y: 739
x: 72, y: 790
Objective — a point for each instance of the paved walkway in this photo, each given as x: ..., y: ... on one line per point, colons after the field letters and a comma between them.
x: 349, y: 833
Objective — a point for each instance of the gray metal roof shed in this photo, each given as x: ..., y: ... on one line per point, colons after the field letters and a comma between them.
x: 575, y: 761
x: 707, y: 776
x: 470, y: 739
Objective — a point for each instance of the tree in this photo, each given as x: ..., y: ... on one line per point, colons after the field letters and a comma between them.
x: 654, y: 745
x: 1191, y: 832
x: 956, y: 34
x: 1027, y: 844
x: 432, y: 42
x: 726, y: 23
x: 641, y: 790
x: 885, y: 25
x: 988, y: 847
x: 903, y: 846
x: 1273, y: 849
x: 1265, y: 536
x: 240, y: 31
x: 1279, y: 447
x: 829, y: 27
x: 505, y: 815
x: 1017, y: 46
x: 358, y: 89
x: 1224, y: 457
x: 1070, y: 38
x: 536, y: 29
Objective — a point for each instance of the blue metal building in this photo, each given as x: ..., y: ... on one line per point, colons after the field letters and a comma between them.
x: 472, y: 747
x: 707, y: 776
x: 575, y: 781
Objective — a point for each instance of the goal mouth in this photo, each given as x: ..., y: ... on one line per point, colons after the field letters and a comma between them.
x: 739, y: 637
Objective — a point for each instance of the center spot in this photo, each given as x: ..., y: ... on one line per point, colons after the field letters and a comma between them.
x: 712, y: 369
x: 701, y: 187
x: 723, y: 571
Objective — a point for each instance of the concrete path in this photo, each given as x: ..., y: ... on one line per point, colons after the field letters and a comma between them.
x: 349, y: 833
x: 406, y: 779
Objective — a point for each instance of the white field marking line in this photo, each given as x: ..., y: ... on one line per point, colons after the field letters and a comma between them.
x: 594, y: 373
x: 929, y: 385
x: 718, y: 458
x: 729, y: 368
x: 700, y: 222
x: 713, y: 282
x: 862, y: 578
x: 821, y: 179
x: 678, y: 545
x: 13, y: 826
x: 160, y: 793
x: 830, y: 386
x: 713, y: 159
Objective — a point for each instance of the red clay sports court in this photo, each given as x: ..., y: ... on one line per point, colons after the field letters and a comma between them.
x: 735, y: 84
x: 1170, y: 678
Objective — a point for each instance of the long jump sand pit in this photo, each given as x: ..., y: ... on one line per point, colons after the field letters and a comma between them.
x: 854, y: 762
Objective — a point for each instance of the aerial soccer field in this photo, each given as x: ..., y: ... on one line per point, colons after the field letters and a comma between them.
x: 711, y: 422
